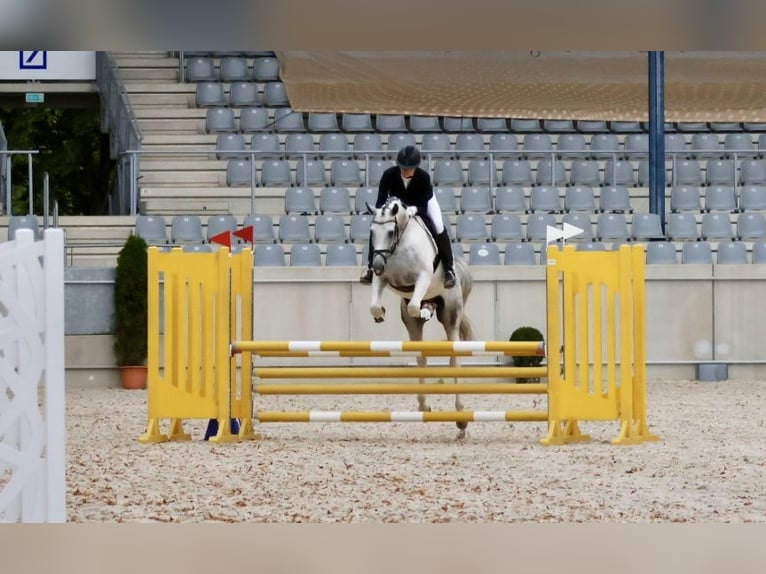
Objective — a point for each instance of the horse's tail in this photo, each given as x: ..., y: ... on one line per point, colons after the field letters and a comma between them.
x: 466, y: 284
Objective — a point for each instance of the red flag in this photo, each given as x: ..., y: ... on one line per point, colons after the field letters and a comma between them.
x: 222, y: 239
x: 245, y: 233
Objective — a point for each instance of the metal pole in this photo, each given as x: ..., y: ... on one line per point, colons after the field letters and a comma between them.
x: 657, y: 135
x: 46, y: 199
x: 31, y: 184
x: 8, y: 194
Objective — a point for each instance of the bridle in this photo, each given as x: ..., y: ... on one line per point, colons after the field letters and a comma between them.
x: 386, y: 253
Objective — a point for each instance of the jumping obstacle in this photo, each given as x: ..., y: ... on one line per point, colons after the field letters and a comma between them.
x: 201, y: 311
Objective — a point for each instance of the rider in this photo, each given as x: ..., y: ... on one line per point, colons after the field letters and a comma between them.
x: 413, y: 186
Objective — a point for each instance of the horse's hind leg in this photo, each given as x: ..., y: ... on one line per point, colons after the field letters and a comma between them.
x: 414, y: 328
x: 450, y: 320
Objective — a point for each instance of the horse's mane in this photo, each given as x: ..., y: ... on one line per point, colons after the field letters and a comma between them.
x: 389, y: 204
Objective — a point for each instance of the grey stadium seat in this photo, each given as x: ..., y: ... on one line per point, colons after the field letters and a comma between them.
x: 219, y: 120
x: 244, y: 94
x: 615, y: 199
x: 469, y: 145
x: 697, y: 252
x: 524, y: 125
x: 484, y: 254
x: 579, y: 198
x: 571, y: 146
x: 716, y: 226
x: 254, y: 120
x: 705, y: 145
x: 740, y: 145
x: 359, y: 230
x: 364, y: 143
x: 265, y: 69
x: 457, y: 124
x: 517, y: 172
x: 752, y: 198
x: 681, y: 226
x: 310, y: 172
x: 720, y: 198
x: 537, y: 145
x: 510, y: 199
x: 685, y: 198
x: 209, y: 94
x: 234, y: 69
x: 636, y: 146
x: 550, y: 173
x: 537, y: 224
x: 356, y: 122
x: 288, y: 120
x: 758, y: 255
x: 419, y: 123
x: 446, y: 198
x: 200, y: 69
x: 611, y: 227
x: 471, y: 227
x: 363, y: 196
x: 435, y: 142
x: 305, y: 255
x: 333, y: 145
x: 661, y: 253
x: 545, y: 199
x: 591, y: 126
x: 491, y: 125
x: 265, y: 142
x: 217, y: 224
x: 345, y: 172
x: 323, y: 122
x: 186, y: 228
x: 558, y: 126
x: 390, y: 123
x: 240, y: 172
x: 294, y: 228
x: 275, y: 94
x: 619, y: 172
x: 269, y: 255
x: 753, y: 171
x: 605, y: 146
x: 375, y: 169
x: 298, y: 144
x: 731, y: 253
x: 275, y: 172
x: 476, y: 199
x: 263, y: 227
x: 448, y: 172
x: 585, y: 172
x: 751, y: 225
x: 300, y: 200
x: 341, y: 254
x: 519, y: 253
x: 687, y: 172
x: 398, y: 141
x: 230, y: 145
x: 502, y: 145
x: 506, y: 227
x: 720, y: 172
x: 149, y: 227
x: 329, y: 228
x: 646, y: 226
x: 334, y: 200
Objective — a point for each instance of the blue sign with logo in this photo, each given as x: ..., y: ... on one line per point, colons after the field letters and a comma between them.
x: 33, y: 60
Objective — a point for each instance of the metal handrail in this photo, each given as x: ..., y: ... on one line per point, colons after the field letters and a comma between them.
x: 5, y: 158
x: 119, y: 119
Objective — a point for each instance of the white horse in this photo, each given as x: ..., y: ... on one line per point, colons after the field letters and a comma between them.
x: 405, y: 259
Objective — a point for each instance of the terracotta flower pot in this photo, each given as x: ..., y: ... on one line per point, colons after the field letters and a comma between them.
x: 133, y: 377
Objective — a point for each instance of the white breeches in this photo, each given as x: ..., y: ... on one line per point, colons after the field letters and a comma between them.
x: 435, y: 213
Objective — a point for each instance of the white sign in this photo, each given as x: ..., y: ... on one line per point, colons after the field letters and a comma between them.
x: 554, y: 233
x: 31, y: 65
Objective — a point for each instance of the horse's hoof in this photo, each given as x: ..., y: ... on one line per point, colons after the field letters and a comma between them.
x: 460, y: 434
x: 462, y: 425
x: 378, y: 319
x: 425, y: 314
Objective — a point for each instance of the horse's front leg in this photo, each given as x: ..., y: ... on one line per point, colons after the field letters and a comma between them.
x: 414, y: 328
x: 421, y: 287
x: 377, y: 309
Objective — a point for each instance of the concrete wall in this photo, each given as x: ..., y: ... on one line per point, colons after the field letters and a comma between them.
x: 694, y: 313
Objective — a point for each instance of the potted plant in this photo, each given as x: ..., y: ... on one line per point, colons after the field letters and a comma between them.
x: 527, y: 333
x: 131, y: 312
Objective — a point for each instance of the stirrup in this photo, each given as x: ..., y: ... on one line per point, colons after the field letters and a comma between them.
x: 449, y: 279
x: 366, y: 278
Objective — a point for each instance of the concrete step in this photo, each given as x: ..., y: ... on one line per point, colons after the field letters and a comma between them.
x: 190, y: 179
x: 183, y: 163
x: 187, y: 126
x: 160, y: 88
x: 146, y: 74
x: 127, y: 61
x: 171, y: 113
x: 139, y: 100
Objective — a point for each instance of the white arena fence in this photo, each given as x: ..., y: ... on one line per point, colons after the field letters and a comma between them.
x: 32, y: 428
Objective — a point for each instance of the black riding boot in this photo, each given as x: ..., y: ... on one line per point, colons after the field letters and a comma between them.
x: 445, y: 254
x: 366, y: 278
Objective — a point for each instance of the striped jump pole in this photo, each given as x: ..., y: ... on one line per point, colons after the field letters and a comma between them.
x: 400, y: 389
x: 389, y: 348
x: 400, y: 416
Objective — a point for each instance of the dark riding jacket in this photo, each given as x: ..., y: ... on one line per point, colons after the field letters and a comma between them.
x: 417, y: 193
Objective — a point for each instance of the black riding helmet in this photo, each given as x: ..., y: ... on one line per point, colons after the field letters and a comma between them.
x: 408, y: 157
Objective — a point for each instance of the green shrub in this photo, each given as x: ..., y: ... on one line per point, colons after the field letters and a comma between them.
x: 527, y: 334
x: 130, y: 303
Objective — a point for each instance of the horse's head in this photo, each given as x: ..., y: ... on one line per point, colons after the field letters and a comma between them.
x: 388, y: 222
